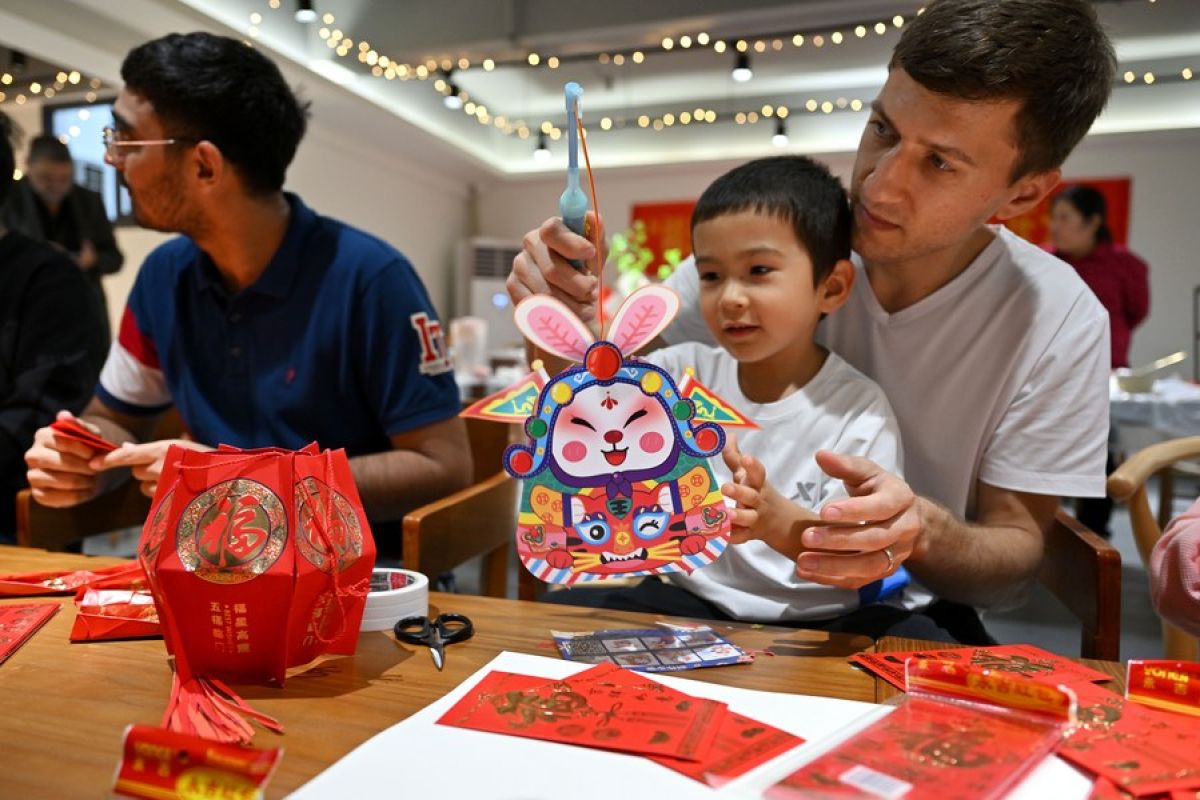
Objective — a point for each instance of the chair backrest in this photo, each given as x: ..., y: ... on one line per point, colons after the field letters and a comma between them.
x: 1127, y: 485
x: 477, y: 521
x: 56, y: 529
x: 1084, y: 572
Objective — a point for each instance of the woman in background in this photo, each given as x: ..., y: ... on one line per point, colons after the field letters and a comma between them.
x: 1120, y: 281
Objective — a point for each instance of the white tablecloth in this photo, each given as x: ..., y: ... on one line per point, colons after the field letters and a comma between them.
x: 1172, y: 408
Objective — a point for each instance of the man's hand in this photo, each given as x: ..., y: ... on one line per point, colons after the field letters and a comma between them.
x: 542, y: 268
x: 145, y: 460
x: 889, y: 524
x: 60, y: 474
x: 762, y: 512
x: 87, y: 257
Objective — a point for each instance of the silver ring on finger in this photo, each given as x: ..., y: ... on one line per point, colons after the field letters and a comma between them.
x: 887, y: 551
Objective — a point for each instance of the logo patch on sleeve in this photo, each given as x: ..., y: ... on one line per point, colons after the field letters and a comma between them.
x: 435, y: 356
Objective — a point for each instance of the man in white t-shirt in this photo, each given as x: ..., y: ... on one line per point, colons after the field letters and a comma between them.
x: 992, y: 353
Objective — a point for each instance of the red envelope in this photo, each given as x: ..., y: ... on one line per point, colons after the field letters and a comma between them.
x: 1014, y: 660
x: 19, y: 621
x: 926, y: 749
x: 126, y: 574
x: 157, y: 764
x: 1142, y: 751
x: 650, y: 720
x: 741, y: 744
x: 106, y: 614
x: 72, y: 429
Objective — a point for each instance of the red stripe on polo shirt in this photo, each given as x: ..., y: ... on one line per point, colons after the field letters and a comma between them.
x: 138, y: 344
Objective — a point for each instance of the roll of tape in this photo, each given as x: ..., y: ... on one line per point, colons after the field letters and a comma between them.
x: 395, y: 594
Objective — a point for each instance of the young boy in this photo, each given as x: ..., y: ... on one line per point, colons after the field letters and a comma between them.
x: 772, y: 246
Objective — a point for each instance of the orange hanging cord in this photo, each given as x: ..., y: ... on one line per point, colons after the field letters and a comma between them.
x: 587, y: 161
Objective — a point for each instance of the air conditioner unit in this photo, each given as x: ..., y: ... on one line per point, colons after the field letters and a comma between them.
x: 483, y: 266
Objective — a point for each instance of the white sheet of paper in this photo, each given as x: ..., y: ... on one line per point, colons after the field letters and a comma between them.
x: 419, y: 758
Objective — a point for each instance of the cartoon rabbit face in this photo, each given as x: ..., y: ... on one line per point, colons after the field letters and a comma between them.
x: 613, y: 428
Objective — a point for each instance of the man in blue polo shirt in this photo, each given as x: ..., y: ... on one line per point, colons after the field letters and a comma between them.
x: 265, y: 324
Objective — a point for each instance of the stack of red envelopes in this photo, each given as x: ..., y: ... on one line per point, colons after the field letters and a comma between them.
x: 1132, y: 750
x: 611, y: 708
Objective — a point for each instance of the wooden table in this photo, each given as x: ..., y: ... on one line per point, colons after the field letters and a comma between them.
x: 63, y: 707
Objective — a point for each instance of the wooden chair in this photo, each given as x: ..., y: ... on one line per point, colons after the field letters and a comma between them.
x: 476, y: 521
x: 1083, y: 571
x: 1127, y: 485
x: 57, y: 529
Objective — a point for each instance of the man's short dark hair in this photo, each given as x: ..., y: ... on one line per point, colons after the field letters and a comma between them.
x: 220, y: 90
x: 8, y: 161
x: 1052, y: 55
x: 47, y: 148
x: 794, y: 189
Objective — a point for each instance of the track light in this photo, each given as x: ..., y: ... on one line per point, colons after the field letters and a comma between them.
x: 780, y: 139
x: 741, y: 68
x: 305, y: 12
x: 17, y: 61
x: 452, y: 100
x: 543, y: 149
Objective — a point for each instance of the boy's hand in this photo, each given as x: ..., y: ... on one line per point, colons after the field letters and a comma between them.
x: 762, y: 512
x: 865, y: 552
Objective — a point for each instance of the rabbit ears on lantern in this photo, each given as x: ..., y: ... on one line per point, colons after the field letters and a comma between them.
x: 553, y: 327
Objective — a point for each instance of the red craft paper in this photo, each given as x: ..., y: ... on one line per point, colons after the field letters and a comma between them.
x: 1140, y: 750
x: 158, y: 764
x: 927, y: 749
x: 19, y: 621
x: 609, y: 713
x: 72, y: 429
x: 128, y: 574
x: 1013, y: 660
x: 106, y: 614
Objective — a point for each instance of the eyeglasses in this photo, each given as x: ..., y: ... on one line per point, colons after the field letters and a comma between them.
x: 112, y: 143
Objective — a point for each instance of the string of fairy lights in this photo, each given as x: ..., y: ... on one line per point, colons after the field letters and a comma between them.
x: 19, y: 89
x: 440, y: 73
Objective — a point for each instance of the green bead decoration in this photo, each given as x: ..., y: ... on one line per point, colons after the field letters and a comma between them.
x: 682, y: 410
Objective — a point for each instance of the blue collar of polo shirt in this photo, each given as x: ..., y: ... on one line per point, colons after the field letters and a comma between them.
x: 280, y: 275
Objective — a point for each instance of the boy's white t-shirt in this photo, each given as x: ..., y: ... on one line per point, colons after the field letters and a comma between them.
x: 999, y: 376
x: 839, y: 409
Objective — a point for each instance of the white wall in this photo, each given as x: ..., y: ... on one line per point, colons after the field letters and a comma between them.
x: 1165, y: 168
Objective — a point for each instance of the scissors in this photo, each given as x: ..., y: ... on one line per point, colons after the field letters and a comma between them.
x: 436, y: 633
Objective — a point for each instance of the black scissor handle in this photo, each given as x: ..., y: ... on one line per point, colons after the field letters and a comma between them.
x: 454, y: 627
x: 413, y: 629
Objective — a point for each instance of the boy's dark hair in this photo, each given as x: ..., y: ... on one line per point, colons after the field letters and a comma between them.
x: 220, y: 90
x: 1089, y: 203
x: 795, y: 189
x: 8, y: 161
x: 1052, y: 55
x: 45, y: 147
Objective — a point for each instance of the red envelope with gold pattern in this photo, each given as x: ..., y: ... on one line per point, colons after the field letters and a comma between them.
x: 644, y: 720
x: 1142, y: 751
x: 1013, y: 660
x: 741, y: 744
x: 926, y: 750
x: 19, y: 621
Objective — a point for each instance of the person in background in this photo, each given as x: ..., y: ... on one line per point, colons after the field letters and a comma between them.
x: 51, y: 341
x: 265, y: 324
x: 1118, y: 278
x: 50, y: 206
x: 1175, y: 572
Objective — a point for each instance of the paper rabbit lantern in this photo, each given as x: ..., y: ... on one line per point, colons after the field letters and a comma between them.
x: 617, y: 481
